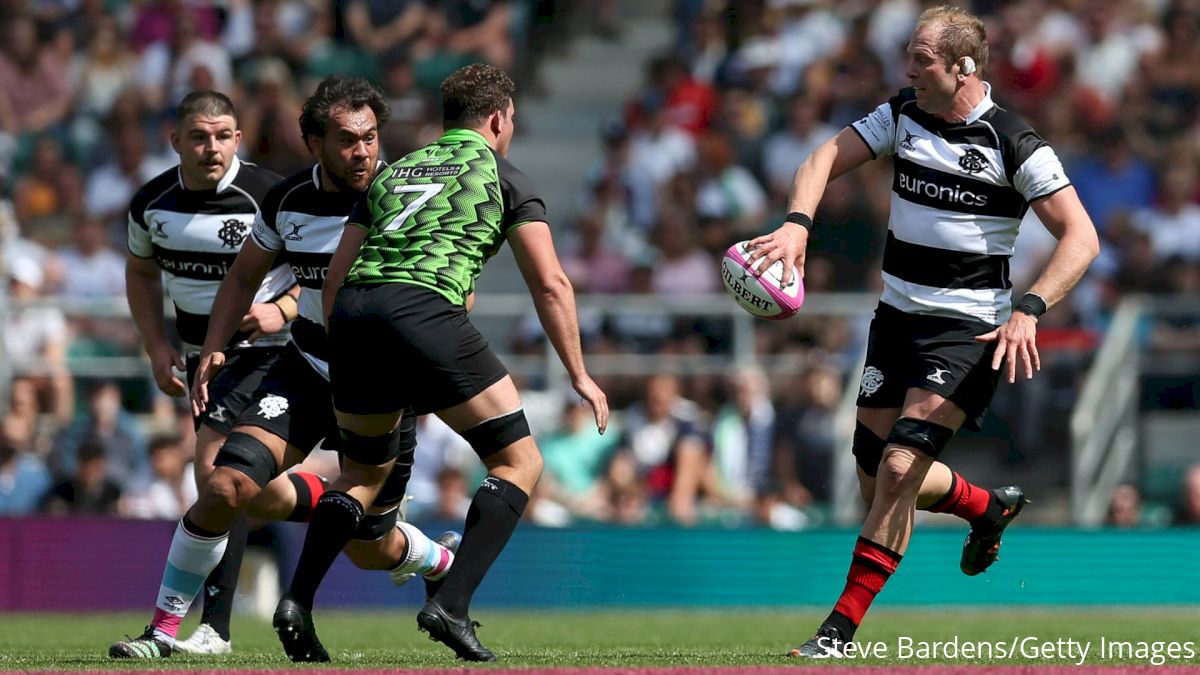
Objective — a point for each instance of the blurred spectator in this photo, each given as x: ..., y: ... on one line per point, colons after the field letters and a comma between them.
x: 34, y: 94
x: 1187, y: 512
x: 591, y: 264
x: 453, y: 497
x: 726, y: 190
x: 575, y: 459
x: 1112, y: 180
x: 807, y: 30
x: 35, y: 339
x: 268, y: 120
x: 109, y: 427
x: 379, y: 26
x: 662, y: 453
x: 188, y: 59
x: 172, y: 488
x: 1174, y: 223
x: 1108, y: 60
x: 103, y: 70
x: 157, y: 22
x: 618, y: 190
x: 806, y: 439
x: 742, y: 437
x: 50, y: 195
x: 479, y: 28
x: 683, y: 267
x: 111, y: 185
x: 658, y: 147
x: 1125, y: 507
x: 438, y: 449
x: 785, y: 150
x: 24, y: 480
x: 29, y: 429
x: 91, y: 267
x: 89, y: 490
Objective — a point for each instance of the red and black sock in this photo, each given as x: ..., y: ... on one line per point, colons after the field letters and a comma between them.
x: 870, y: 569
x: 972, y: 503
x: 309, y: 488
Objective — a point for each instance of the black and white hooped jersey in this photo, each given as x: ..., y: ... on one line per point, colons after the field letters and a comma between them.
x: 304, y: 223
x: 959, y: 192
x: 194, y: 236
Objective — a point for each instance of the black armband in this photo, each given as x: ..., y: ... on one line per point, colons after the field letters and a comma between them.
x: 1031, y: 304
x: 801, y: 219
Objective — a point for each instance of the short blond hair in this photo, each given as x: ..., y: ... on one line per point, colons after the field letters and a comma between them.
x: 962, y: 34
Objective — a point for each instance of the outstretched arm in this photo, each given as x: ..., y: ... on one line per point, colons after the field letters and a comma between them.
x: 840, y: 154
x: 555, y: 302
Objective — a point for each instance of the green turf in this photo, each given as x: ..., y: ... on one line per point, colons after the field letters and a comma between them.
x: 603, y: 638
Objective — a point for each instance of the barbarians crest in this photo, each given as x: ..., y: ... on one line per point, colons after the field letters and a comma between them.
x: 872, y: 380
x: 972, y: 161
x: 272, y: 406
x: 232, y: 233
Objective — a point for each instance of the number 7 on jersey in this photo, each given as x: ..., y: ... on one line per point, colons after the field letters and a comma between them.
x: 428, y: 191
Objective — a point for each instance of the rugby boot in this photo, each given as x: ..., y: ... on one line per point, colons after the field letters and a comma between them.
x: 457, y: 634
x: 294, y: 626
x: 827, y: 643
x: 982, y: 546
x: 205, y: 641
x: 146, y: 646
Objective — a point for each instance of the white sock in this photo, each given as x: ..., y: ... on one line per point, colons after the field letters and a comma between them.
x: 423, y: 555
x: 191, y: 559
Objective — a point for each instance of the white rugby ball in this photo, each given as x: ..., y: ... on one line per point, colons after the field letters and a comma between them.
x: 763, y: 296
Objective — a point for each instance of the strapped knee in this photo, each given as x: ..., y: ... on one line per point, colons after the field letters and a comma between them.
x: 339, y: 505
x: 492, y: 436
x: 867, y: 449
x: 921, y: 435
x: 371, y: 450
x: 374, y: 526
x: 245, y: 453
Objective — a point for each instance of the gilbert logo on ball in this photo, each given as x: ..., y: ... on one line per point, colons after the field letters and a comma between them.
x: 763, y: 296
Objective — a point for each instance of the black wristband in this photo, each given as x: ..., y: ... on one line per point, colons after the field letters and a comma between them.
x: 801, y: 219
x: 1031, y: 304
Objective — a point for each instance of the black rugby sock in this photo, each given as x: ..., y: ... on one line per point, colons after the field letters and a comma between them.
x: 333, y: 522
x: 221, y: 584
x: 494, y: 514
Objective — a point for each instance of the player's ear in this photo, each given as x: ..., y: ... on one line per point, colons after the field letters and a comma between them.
x: 175, y: 141
x: 496, y: 123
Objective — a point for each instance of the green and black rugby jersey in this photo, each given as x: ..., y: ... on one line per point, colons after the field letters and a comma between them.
x: 435, y: 216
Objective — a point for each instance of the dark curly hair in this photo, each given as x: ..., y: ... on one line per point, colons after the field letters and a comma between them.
x: 338, y: 92
x: 473, y: 92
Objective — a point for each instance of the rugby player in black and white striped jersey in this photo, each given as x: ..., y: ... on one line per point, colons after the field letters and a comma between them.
x: 965, y: 173
x: 186, y: 227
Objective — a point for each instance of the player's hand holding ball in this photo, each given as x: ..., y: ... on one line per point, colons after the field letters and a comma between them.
x: 764, y: 294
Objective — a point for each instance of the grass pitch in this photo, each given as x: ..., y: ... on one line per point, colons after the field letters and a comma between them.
x: 697, y: 641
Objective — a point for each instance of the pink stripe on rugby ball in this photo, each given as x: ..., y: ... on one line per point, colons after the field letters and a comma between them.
x: 788, y: 304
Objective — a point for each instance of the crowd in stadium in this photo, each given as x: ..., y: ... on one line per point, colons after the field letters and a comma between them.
x: 700, y: 156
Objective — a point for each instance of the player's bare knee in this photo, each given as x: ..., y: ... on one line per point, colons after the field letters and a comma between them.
x: 228, y: 489
x: 901, y: 471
